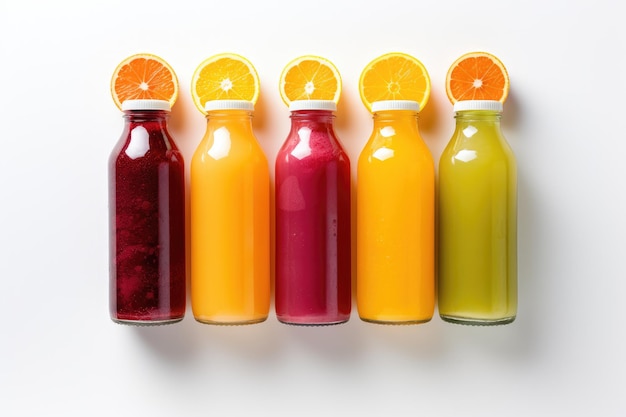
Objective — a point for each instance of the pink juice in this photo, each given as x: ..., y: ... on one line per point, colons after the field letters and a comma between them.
x: 313, y: 265
x: 146, y: 222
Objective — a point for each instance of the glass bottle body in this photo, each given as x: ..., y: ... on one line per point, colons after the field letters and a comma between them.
x: 395, y: 223
x: 146, y: 223
x: 478, y: 223
x: 230, y: 215
x: 313, y: 255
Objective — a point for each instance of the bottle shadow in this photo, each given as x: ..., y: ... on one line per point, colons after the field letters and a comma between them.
x: 340, y: 343
x: 413, y: 342
x: 513, y: 112
x: 259, y: 121
x: 178, y: 117
x: 176, y: 343
x: 429, y: 118
x: 184, y: 342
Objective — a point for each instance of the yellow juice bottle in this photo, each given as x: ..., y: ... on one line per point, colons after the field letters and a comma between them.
x: 395, y: 219
x: 478, y: 219
x: 230, y: 219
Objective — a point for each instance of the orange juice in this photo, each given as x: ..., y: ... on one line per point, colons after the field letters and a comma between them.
x: 395, y: 219
x: 230, y: 219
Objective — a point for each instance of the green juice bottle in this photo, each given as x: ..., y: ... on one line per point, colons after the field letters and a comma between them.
x: 477, y: 220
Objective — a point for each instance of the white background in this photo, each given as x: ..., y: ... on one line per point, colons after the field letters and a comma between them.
x: 61, y: 355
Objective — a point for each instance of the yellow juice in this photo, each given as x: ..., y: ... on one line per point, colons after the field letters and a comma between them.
x: 230, y: 223
x: 395, y: 222
x: 478, y: 223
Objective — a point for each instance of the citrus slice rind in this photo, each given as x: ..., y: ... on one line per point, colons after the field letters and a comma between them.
x: 394, y: 76
x: 144, y: 76
x: 225, y: 76
x: 310, y: 77
x: 477, y: 76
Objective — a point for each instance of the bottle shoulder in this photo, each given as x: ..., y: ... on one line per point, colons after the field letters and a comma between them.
x: 477, y: 147
x: 308, y: 144
x: 471, y: 136
x: 228, y: 146
x: 148, y: 144
x: 388, y: 144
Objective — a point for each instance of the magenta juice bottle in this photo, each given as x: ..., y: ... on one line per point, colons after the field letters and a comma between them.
x: 313, y: 266
x: 146, y: 219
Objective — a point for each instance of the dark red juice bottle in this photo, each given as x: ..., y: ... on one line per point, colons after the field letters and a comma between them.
x: 146, y: 219
x: 313, y: 265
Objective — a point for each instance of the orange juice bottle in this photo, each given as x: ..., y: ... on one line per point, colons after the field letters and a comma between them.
x: 230, y: 219
x: 395, y: 219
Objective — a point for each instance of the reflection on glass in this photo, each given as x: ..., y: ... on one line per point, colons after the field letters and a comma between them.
x: 221, y: 143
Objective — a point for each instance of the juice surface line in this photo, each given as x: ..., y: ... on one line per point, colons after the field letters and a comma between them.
x: 395, y: 219
x: 313, y: 255
x: 146, y: 219
x: 478, y: 220
x: 230, y: 219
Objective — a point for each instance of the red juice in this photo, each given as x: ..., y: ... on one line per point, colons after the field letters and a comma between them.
x: 313, y: 257
x: 146, y: 220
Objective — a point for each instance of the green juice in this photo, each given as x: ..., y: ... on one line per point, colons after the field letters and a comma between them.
x: 478, y: 221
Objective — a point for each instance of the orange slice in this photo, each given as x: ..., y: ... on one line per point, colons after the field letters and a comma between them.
x: 310, y: 77
x: 225, y: 76
x: 477, y: 76
x: 144, y: 76
x: 394, y: 76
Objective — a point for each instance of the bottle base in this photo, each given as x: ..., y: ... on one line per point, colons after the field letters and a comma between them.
x: 230, y: 323
x: 147, y: 323
x: 312, y: 321
x: 470, y: 321
x: 396, y: 322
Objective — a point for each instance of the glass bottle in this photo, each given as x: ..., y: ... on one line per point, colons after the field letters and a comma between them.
x: 313, y: 256
x: 395, y: 219
x: 146, y: 219
x: 478, y: 219
x: 230, y: 219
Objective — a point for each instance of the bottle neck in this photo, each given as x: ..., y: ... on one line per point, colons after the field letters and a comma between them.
x: 322, y: 119
x: 240, y: 116
x: 234, y: 120
x: 398, y: 120
x: 146, y: 130
x: 143, y: 116
x: 478, y: 127
x: 395, y: 116
x: 312, y: 123
x: 483, y: 117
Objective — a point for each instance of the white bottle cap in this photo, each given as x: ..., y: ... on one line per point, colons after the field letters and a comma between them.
x: 492, y: 105
x: 395, y: 105
x: 146, y: 105
x: 312, y: 105
x: 229, y: 105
